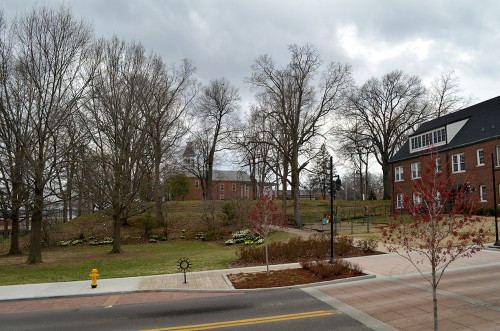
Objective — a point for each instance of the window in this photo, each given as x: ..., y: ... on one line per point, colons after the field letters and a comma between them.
x: 222, y: 187
x: 234, y: 187
x: 398, y: 174
x: 498, y: 155
x: 437, y: 198
x: 417, y: 198
x: 438, y: 165
x: 433, y: 138
x: 196, y: 184
x: 480, y: 157
x: 458, y: 162
x: 221, y: 197
x: 482, y: 192
x: 399, y: 201
x: 415, y: 170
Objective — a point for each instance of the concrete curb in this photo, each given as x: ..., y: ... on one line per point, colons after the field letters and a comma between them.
x: 226, y: 279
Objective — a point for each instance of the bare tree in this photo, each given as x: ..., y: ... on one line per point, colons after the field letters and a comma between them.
x: 355, y: 148
x: 445, y: 94
x: 252, y: 144
x: 263, y: 218
x: 299, y: 108
x: 14, y: 140
x: 171, y: 92
x: 72, y: 142
x: 49, y: 50
x: 216, y: 122
x: 388, y: 109
x: 117, y: 125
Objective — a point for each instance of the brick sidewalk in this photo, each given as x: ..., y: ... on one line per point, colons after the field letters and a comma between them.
x: 467, y: 295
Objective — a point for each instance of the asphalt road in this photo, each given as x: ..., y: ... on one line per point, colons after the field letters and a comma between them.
x: 283, y: 309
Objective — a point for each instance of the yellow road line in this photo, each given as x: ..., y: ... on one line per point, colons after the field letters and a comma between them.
x: 258, y: 320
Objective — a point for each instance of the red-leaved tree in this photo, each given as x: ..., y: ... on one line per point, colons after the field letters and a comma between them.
x: 263, y: 218
x: 442, y: 227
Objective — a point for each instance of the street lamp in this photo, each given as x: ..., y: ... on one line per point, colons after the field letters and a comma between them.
x: 333, y: 189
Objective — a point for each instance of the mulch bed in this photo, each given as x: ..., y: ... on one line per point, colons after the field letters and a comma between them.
x: 282, y: 278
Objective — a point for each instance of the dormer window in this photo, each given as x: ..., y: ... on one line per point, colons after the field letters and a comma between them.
x: 425, y: 140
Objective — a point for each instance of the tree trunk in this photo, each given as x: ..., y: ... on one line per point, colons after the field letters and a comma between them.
x: 14, y: 238
x: 35, y: 252
x: 267, y: 259
x: 117, y: 226
x: 157, y: 193
x: 6, y: 226
x: 284, y: 185
x: 296, y: 189
x: 165, y: 224
x: 387, y: 181
x: 69, y: 189
x: 296, y: 200
x: 434, y: 299
x: 65, y: 208
x: 253, y: 179
x: 208, y: 180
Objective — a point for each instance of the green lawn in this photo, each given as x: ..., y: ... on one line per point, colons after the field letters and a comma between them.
x: 75, y: 263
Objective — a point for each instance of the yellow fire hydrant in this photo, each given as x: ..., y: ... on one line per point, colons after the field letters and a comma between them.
x: 94, y: 275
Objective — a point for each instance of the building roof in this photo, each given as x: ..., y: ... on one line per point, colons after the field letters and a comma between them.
x: 228, y: 175
x: 482, y: 124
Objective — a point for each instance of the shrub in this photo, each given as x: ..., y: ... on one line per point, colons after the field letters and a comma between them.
x: 367, y: 245
x: 317, y: 246
x: 343, y: 245
x: 324, y: 269
x: 228, y: 213
x: 296, y: 249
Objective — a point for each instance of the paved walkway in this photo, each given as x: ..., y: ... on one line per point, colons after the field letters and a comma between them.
x: 397, y: 298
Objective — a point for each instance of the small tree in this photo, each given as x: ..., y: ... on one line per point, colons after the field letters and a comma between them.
x: 442, y: 227
x: 263, y: 218
x: 177, y: 186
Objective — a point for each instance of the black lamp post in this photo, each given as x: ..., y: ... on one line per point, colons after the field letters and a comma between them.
x: 497, y: 242
x: 333, y: 189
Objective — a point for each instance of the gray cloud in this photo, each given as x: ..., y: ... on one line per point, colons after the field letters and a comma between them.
x: 223, y: 37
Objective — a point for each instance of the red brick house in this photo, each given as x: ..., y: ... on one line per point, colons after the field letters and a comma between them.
x: 226, y: 185
x: 463, y: 143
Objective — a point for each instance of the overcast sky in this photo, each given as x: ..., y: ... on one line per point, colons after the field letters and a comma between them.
x: 223, y: 38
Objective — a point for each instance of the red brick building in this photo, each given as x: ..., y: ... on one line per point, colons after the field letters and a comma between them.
x: 463, y: 143
x: 226, y: 185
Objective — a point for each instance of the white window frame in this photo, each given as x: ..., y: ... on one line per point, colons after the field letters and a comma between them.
x: 417, y: 198
x: 415, y: 170
x: 428, y: 139
x: 480, y: 157
x: 482, y: 193
x: 399, y: 201
x: 458, y: 163
x: 497, y: 148
x: 221, y: 197
x: 221, y: 187
x: 398, y: 174
x: 437, y: 199
x: 234, y: 187
x: 196, y: 184
x: 438, y: 165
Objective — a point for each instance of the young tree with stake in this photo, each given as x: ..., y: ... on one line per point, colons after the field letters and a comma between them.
x: 442, y: 227
x: 263, y: 218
